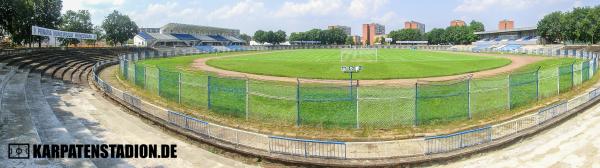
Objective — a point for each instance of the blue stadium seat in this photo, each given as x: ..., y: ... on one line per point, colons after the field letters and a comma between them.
x: 481, y: 47
x: 218, y: 37
x: 206, y: 48
x: 510, y: 47
x: 184, y: 36
x: 236, y: 48
x: 146, y: 36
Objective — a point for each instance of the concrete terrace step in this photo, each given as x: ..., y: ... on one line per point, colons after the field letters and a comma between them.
x: 78, y: 127
x: 17, y: 125
x: 50, y: 129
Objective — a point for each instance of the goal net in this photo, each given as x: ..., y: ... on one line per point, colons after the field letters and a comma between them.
x: 358, y: 55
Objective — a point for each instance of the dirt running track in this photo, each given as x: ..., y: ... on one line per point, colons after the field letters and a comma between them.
x: 574, y: 143
x: 517, y: 62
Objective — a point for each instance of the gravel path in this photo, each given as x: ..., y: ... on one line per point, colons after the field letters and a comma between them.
x: 517, y: 62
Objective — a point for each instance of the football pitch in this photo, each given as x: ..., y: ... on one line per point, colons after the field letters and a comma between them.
x: 327, y: 105
x: 388, y: 64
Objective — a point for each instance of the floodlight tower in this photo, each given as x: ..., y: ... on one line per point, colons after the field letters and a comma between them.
x: 351, y: 69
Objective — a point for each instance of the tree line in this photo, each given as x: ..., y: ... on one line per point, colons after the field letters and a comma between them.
x: 329, y: 36
x: 581, y: 25
x: 450, y: 35
x: 17, y: 17
x: 262, y: 36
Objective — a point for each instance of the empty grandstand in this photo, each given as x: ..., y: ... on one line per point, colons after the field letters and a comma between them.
x: 202, y: 38
x: 507, y: 39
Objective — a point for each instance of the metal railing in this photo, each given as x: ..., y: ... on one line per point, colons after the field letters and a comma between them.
x: 307, y: 148
x: 346, y: 150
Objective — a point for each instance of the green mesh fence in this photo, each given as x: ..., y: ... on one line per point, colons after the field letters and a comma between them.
x: 489, y: 95
x: 441, y: 102
x: 272, y: 101
x: 523, y: 88
x: 125, y: 69
x: 151, y: 79
x: 227, y: 96
x: 168, y: 85
x: 548, y: 80
x: 194, y: 90
x: 131, y: 72
x: 140, y: 75
x: 585, y: 71
x: 385, y: 107
x: 577, y: 76
x: 324, y: 105
x: 566, y: 78
x: 327, y: 106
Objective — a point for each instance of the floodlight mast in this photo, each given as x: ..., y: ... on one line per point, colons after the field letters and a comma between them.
x: 351, y: 70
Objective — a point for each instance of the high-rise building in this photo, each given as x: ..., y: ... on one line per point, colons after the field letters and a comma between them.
x: 506, y: 24
x: 370, y: 31
x: 456, y: 23
x: 346, y: 29
x: 415, y: 25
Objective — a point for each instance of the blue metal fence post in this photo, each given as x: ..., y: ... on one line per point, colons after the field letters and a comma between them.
x: 298, y: 119
x: 208, y: 91
x: 416, y: 104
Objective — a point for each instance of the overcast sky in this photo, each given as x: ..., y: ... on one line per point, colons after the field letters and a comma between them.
x: 302, y: 15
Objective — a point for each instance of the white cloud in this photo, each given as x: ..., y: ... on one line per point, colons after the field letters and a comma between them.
x: 88, y: 4
x: 243, y: 8
x: 362, y: 8
x: 159, y: 14
x: 577, y: 3
x: 482, y: 5
x: 390, y: 19
x: 311, y: 7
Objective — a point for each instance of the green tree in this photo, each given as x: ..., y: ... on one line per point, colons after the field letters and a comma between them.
x: 100, y: 35
x: 279, y: 36
x: 79, y: 21
x: 119, y: 28
x: 436, y: 36
x: 550, y: 27
x: 477, y: 26
x: 349, y: 41
x: 259, y: 36
x: 17, y: 17
x: 46, y: 14
x: 246, y: 38
x: 16, y: 20
x: 406, y: 35
x: 595, y: 18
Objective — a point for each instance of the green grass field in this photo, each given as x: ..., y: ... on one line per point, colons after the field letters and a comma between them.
x: 390, y: 64
x: 328, y: 106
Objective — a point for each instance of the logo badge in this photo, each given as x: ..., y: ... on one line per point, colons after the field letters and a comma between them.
x: 18, y: 151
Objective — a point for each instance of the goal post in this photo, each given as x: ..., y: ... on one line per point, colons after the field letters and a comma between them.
x: 359, y: 55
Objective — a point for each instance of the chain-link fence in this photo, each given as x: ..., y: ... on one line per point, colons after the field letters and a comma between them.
x: 438, y: 102
x: 337, y: 105
x: 239, y: 139
x: 523, y: 88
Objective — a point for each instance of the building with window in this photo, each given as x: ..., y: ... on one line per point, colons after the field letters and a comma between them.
x: 370, y: 32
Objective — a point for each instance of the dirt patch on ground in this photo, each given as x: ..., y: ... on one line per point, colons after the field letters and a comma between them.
x: 518, y: 61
